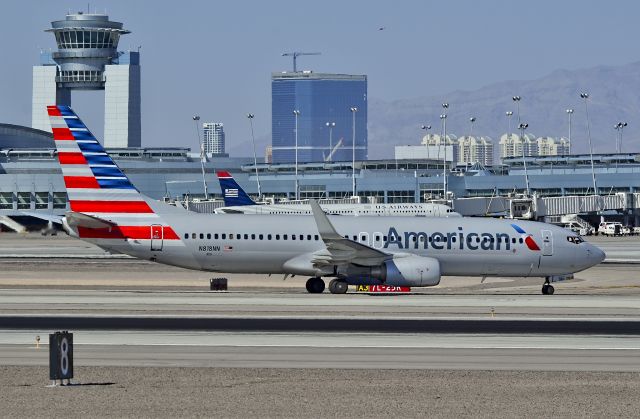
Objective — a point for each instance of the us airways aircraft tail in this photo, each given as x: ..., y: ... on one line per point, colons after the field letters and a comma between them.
x: 232, y: 193
x: 106, y: 209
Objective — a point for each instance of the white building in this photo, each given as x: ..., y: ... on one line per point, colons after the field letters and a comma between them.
x: 213, y: 138
x: 511, y: 145
x: 549, y: 146
x: 475, y: 150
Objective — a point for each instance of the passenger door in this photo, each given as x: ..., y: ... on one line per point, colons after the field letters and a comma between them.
x: 156, y: 237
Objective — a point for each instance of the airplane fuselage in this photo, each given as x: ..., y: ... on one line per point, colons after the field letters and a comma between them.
x: 463, y: 246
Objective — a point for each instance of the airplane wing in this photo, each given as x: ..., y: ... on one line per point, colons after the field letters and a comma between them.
x: 340, y: 250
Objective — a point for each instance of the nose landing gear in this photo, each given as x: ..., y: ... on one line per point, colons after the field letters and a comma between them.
x: 547, y: 288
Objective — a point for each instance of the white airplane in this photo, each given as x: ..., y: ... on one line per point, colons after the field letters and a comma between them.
x: 237, y: 201
x: 107, y: 210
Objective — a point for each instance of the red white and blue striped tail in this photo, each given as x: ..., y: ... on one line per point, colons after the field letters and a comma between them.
x: 95, y: 185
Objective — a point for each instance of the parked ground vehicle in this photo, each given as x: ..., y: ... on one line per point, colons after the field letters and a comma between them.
x: 611, y: 229
x: 579, y: 229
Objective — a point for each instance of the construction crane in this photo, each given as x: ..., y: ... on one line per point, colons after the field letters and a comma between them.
x: 295, y: 55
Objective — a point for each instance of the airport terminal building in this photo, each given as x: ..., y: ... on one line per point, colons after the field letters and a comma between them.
x: 31, y: 179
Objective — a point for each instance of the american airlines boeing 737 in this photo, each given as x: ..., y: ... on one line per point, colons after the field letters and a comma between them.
x: 107, y: 210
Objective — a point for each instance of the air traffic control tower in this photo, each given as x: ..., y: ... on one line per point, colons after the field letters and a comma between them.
x: 88, y: 59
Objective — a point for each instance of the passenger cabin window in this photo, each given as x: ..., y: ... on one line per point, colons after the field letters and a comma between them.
x: 316, y: 237
x: 246, y: 237
x: 186, y: 235
x: 193, y: 235
x: 224, y: 236
x: 201, y: 236
x: 208, y: 236
x: 261, y: 237
x: 253, y: 237
x: 215, y: 236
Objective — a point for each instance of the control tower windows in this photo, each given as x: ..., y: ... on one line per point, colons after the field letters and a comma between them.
x: 86, y: 39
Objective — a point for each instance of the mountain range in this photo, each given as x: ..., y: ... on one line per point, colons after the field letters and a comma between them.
x: 613, y: 97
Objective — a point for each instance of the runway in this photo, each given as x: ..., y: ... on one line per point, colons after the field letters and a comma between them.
x: 135, y: 313
x: 335, y: 350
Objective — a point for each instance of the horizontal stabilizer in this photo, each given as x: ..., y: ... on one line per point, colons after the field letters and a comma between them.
x: 76, y: 219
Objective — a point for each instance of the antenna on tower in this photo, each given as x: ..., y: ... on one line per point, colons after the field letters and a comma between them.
x: 295, y: 55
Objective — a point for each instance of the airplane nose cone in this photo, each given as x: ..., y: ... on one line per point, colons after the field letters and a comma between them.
x: 595, y: 255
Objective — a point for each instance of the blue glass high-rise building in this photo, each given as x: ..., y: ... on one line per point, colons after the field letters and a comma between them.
x: 321, y: 98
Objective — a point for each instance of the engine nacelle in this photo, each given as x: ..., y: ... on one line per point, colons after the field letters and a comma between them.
x: 408, y: 271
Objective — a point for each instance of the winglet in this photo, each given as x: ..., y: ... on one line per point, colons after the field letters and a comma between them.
x: 325, y: 228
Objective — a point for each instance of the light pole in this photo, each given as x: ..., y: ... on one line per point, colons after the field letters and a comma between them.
x: 330, y: 125
x: 619, y: 127
x: 353, y: 150
x: 570, y: 113
x: 426, y: 128
x: 296, y: 113
x: 250, y: 116
x: 445, y: 106
x: 471, y: 121
x: 517, y: 100
x: 196, y: 118
x: 524, y: 160
x: 585, y: 96
x: 509, y: 114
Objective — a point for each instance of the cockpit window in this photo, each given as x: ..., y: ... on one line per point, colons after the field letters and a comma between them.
x: 575, y: 239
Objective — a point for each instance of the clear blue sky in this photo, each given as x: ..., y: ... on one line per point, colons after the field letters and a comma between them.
x: 214, y: 58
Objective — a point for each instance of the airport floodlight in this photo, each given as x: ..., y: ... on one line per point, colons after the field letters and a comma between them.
x: 296, y: 113
x: 523, y: 126
x: 353, y: 150
x: 196, y: 118
x: 250, y: 116
x: 427, y: 127
x: 472, y: 119
x: 584, y: 95
x: 516, y: 98
x: 443, y: 116
x: 330, y: 124
x: 445, y: 105
x: 570, y: 113
x: 508, y: 113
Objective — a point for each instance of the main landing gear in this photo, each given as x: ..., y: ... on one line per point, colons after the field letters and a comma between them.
x: 338, y: 286
x: 547, y: 288
x: 315, y: 285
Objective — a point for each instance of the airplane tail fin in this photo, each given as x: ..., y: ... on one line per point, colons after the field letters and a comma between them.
x: 94, y: 183
x: 232, y: 193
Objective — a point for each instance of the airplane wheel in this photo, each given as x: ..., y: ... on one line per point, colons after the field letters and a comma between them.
x: 338, y: 286
x: 550, y: 290
x: 545, y: 289
x: 315, y: 285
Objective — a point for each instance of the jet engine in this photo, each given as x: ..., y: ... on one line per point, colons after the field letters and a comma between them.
x: 410, y: 270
